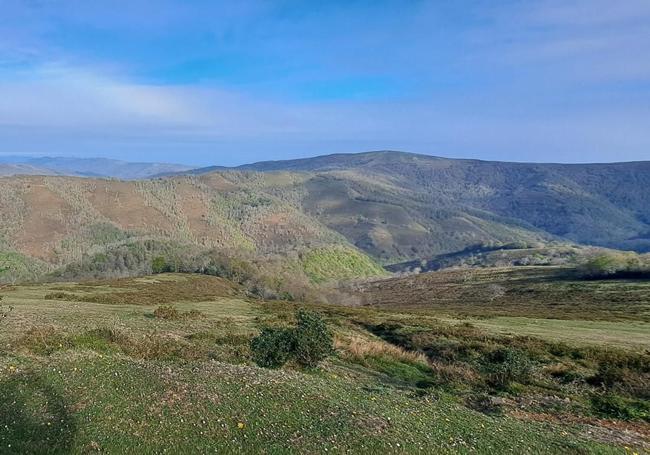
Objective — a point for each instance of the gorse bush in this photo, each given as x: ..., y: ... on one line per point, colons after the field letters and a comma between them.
x: 273, y: 347
x: 308, y: 343
x: 504, y: 366
x: 313, y: 340
x: 166, y: 312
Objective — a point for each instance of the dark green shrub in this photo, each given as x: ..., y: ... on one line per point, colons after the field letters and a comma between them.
x: 626, y: 377
x: 59, y: 295
x: 308, y: 343
x: 313, y: 340
x: 614, y: 406
x: 273, y: 347
x: 504, y: 366
x: 565, y: 373
x: 171, y: 313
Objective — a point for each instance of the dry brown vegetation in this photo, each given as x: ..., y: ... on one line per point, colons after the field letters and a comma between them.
x: 56, y: 218
x: 150, y: 291
x: 359, y: 348
x: 532, y: 292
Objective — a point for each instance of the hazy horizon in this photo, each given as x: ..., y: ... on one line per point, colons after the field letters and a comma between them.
x: 17, y: 158
x: 223, y: 83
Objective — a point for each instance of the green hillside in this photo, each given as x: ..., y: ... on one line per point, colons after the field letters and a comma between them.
x: 100, y: 367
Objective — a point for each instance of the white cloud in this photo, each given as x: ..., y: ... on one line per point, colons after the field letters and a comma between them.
x: 570, y: 42
x: 61, y: 96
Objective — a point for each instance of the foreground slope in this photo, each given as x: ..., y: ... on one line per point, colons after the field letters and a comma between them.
x: 91, y: 367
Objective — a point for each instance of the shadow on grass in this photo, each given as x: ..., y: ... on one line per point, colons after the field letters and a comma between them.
x: 33, y: 417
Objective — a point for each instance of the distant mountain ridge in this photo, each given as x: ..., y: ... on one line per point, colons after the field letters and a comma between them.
x: 391, y: 206
x: 601, y: 204
x: 85, y: 167
x: 10, y: 169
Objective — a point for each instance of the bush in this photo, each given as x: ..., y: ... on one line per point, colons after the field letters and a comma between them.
x: 273, y: 347
x: 624, y: 377
x: 59, y: 295
x: 505, y: 366
x: 614, y: 406
x: 308, y: 343
x: 563, y: 372
x: 313, y: 340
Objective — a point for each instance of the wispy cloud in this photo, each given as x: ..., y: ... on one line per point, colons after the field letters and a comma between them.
x: 573, y: 41
x: 559, y: 80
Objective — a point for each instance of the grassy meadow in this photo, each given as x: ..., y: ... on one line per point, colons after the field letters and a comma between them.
x: 162, y: 364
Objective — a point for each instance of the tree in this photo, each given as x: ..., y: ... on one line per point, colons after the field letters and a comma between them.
x: 612, y: 263
x: 159, y: 265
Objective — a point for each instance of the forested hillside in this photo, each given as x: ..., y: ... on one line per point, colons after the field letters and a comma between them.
x: 599, y: 204
x: 394, y: 207
x: 91, y: 227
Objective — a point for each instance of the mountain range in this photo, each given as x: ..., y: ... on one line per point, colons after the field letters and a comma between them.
x: 395, y: 195
x: 84, y: 167
x: 389, y: 206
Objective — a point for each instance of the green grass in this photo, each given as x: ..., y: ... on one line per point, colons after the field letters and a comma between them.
x: 339, y: 263
x: 633, y: 335
x: 81, y: 376
x: 80, y: 402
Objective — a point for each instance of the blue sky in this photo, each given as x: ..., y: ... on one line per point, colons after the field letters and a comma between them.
x: 225, y: 82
